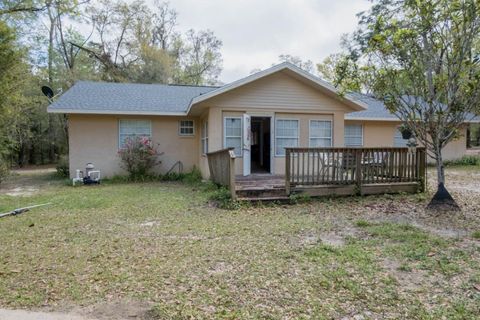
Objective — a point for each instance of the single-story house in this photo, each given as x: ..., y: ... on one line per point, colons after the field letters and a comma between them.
x: 258, y: 115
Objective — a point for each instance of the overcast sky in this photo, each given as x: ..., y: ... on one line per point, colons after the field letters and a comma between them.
x: 256, y: 32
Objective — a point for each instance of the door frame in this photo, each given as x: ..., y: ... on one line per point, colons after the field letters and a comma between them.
x: 271, y: 116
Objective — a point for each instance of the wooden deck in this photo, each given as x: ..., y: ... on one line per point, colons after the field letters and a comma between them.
x: 326, y: 172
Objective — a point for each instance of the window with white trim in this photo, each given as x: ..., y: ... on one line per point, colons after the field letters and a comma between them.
x: 353, y: 135
x: 398, y: 140
x: 320, y: 133
x: 205, y: 137
x: 286, y: 135
x: 233, y: 135
x: 131, y: 129
x: 186, y: 128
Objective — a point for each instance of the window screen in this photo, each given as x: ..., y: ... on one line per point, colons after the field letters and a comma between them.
x: 320, y: 133
x: 233, y: 135
x: 353, y: 135
x: 286, y: 135
x: 132, y: 129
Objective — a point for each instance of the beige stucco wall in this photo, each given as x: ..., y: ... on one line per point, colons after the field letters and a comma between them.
x: 382, y: 133
x: 94, y: 138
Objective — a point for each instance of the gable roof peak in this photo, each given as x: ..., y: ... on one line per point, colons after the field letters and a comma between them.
x: 295, y: 70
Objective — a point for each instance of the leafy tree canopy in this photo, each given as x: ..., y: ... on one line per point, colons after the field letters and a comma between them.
x: 424, y: 60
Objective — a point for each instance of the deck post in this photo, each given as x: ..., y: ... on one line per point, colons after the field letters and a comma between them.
x: 233, y: 191
x: 422, y: 164
x: 358, y: 169
x: 287, y: 171
x: 222, y: 169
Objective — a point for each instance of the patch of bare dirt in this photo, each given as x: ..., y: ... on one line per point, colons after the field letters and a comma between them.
x: 463, y: 184
x: 116, y: 310
x: 408, y: 280
x: 220, y: 268
x: 309, y: 238
x: 21, y: 191
x: 27, y: 182
x: 48, y: 168
x: 335, y: 236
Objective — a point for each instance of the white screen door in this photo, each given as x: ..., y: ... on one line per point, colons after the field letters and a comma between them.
x: 247, y: 136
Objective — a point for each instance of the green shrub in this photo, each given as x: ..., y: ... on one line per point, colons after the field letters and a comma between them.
x: 193, y: 177
x: 296, y: 198
x: 362, y: 223
x: 128, y: 179
x: 464, y: 161
x: 476, y: 235
x: 139, y: 156
x: 4, y: 170
x: 223, y: 199
x: 173, y: 176
x: 62, y: 167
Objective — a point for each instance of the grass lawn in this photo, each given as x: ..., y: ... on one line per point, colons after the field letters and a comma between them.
x: 162, y: 246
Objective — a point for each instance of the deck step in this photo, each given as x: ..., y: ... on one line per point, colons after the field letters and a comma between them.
x: 261, y: 192
x: 282, y: 199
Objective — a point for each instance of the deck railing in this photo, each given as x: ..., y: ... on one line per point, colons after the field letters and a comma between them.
x: 222, y: 168
x: 354, y: 166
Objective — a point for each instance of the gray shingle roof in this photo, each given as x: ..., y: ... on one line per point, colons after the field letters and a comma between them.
x: 133, y: 98
x: 376, y: 109
x: 127, y: 97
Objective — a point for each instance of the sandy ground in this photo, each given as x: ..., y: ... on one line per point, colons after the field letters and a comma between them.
x: 30, y: 315
x: 26, y: 181
x: 112, y: 310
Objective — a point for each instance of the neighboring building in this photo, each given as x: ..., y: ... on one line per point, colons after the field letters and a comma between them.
x: 283, y: 106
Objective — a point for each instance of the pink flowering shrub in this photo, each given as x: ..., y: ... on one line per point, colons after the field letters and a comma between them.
x: 139, y: 156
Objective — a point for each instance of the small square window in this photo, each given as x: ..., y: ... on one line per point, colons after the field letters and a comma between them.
x: 186, y: 128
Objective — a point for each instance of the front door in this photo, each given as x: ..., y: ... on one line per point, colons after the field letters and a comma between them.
x: 260, y: 151
x: 247, y: 144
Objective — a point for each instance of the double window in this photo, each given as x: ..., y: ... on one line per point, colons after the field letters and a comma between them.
x: 131, y: 129
x: 233, y: 134
x: 286, y: 135
x: 205, y: 137
x: 320, y: 133
x: 353, y: 135
x: 186, y: 128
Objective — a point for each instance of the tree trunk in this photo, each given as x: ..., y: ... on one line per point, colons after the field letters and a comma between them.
x: 442, y: 200
x: 440, y: 169
x: 50, y: 47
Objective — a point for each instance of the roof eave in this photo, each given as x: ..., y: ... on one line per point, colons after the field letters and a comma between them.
x: 393, y: 119
x: 116, y: 112
x: 371, y: 119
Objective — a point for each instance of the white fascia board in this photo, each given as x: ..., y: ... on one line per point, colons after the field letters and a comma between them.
x: 371, y: 119
x: 116, y: 112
